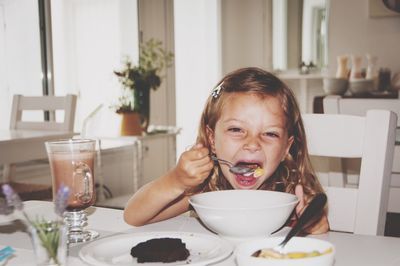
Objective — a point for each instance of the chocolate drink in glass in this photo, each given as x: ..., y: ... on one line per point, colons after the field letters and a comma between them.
x: 72, y: 164
x: 76, y: 171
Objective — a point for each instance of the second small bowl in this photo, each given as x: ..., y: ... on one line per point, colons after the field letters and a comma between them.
x: 361, y: 86
x: 335, y: 86
x: 244, y: 252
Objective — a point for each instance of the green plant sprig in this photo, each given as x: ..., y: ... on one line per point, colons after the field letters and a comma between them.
x: 49, y: 235
x: 48, y: 238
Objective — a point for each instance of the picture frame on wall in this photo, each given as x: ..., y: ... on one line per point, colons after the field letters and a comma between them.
x: 378, y: 9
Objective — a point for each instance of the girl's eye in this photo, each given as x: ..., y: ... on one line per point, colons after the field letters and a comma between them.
x: 271, y: 134
x: 235, y: 129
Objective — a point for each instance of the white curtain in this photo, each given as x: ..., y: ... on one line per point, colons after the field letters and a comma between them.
x: 90, y: 40
x: 20, y: 63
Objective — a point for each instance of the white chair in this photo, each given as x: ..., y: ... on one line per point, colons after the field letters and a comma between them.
x: 67, y: 104
x: 359, y: 210
x: 334, y: 104
x: 52, y: 104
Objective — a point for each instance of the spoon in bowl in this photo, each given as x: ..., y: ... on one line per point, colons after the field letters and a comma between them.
x: 316, y: 204
x: 313, y: 208
x: 235, y: 169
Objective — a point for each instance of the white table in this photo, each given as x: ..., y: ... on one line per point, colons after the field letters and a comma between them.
x: 25, y: 145
x: 351, y: 249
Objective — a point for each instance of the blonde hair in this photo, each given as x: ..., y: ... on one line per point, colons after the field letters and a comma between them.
x: 296, y: 168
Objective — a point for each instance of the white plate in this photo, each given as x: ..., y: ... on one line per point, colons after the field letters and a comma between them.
x: 115, y: 250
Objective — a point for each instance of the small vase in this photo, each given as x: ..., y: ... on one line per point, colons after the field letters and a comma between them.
x: 342, y: 69
x: 49, y: 240
x: 372, y: 72
x: 356, y: 71
x: 131, y: 124
x: 384, y: 79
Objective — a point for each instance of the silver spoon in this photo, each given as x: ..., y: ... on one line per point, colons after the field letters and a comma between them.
x: 313, y: 208
x: 239, y: 170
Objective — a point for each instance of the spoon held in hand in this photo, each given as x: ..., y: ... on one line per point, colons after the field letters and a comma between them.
x: 239, y: 170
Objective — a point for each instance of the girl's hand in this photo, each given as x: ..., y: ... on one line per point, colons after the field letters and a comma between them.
x: 193, y: 167
x: 320, y: 224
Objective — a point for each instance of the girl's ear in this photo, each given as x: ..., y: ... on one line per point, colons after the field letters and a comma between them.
x: 289, y: 144
x: 210, y: 137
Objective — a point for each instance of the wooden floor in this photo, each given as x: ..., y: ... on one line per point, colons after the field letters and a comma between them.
x: 392, y: 227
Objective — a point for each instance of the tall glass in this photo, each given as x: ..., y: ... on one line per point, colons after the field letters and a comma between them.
x: 72, y: 164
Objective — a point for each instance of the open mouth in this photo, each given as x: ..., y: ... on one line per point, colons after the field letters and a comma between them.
x: 250, y: 178
x: 252, y: 165
x: 255, y: 168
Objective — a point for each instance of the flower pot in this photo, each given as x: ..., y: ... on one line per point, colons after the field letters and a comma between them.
x: 131, y: 124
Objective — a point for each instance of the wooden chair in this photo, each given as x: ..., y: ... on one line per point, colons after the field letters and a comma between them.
x: 334, y: 104
x: 360, y: 210
x: 20, y: 103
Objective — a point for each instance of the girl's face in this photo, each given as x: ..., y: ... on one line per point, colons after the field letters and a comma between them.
x: 251, y: 130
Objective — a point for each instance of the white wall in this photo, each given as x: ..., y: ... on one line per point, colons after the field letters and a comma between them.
x: 246, y: 34
x: 156, y: 19
x: 197, y: 63
x: 352, y: 31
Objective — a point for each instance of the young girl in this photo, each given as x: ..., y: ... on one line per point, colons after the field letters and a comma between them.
x: 251, y: 118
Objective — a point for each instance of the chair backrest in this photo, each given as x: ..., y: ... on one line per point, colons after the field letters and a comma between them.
x: 335, y: 104
x: 360, y: 210
x: 45, y: 103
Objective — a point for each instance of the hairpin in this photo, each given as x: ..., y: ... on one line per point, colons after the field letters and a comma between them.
x: 216, y: 91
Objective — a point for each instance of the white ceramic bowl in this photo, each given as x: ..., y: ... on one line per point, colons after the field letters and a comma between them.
x: 245, y: 250
x: 335, y: 86
x: 361, y: 86
x: 241, y: 214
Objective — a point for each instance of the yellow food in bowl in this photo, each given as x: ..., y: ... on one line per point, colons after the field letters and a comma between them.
x: 269, y: 253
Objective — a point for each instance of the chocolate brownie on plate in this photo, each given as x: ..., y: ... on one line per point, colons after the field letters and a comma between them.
x: 160, y: 250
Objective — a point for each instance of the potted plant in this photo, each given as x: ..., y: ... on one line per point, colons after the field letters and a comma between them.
x: 137, y: 80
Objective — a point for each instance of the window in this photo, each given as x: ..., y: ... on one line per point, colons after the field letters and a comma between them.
x: 20, y: 67
x: 90, y: 40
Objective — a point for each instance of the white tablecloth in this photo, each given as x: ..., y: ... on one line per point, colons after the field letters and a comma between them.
x: 351, y: 249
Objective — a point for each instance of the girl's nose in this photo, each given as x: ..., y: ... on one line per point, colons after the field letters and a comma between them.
x: 252, y: 144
